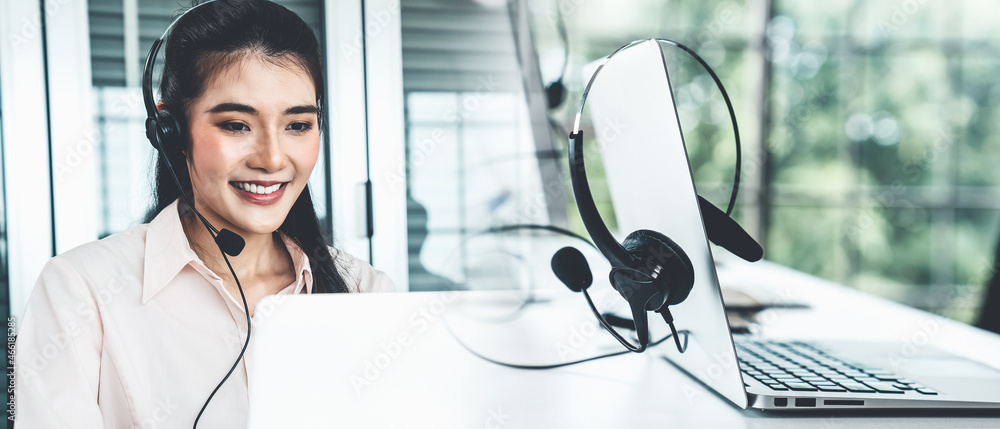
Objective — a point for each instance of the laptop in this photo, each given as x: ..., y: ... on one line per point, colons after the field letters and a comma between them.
x: 637, y: 128
x: 400, y: 361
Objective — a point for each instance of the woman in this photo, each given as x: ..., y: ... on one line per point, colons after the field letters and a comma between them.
x: 137, y: 329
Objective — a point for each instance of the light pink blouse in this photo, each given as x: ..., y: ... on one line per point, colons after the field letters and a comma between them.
x: 135, y: 331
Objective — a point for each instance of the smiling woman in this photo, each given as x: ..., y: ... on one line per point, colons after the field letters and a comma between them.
x: 135, y: 330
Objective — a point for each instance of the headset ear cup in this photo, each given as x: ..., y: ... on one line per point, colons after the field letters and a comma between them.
x: 555, y: 93
x: 651, y: 249
x: 168, y: 132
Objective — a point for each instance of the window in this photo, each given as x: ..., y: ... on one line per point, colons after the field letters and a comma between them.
x: 867, y: 130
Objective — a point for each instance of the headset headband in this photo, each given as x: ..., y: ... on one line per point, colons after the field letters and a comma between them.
x: 147, y: 70
x: 592, y: 218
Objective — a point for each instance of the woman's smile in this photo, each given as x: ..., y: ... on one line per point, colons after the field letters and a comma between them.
x: 259, y: 191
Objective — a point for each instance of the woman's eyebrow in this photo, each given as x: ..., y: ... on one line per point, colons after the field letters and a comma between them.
x: 232, y: 107
x: 243, y: 108
x: 305, y: 108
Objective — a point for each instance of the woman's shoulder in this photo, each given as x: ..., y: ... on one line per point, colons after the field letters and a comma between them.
x: 92, y: 273
x: 126, y: 247
x: 120, y: 255
x: 360, y: 274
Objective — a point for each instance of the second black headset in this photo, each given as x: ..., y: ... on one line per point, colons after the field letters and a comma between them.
x: 649, y: 270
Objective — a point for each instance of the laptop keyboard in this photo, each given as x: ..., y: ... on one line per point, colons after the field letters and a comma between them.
x: 798, y: 366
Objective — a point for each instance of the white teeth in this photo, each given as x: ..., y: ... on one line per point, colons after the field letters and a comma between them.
x: 257, y: 189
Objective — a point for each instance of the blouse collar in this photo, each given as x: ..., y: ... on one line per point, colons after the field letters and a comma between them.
x: 168, y: 252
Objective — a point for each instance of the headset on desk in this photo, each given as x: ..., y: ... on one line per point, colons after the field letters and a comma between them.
x: 649, y: 270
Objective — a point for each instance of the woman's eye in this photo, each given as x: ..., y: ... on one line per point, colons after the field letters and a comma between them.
x: 299, y: 127
x: 235, y: 127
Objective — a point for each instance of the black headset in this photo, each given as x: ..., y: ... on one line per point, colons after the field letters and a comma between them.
x: 165, y: 133
x: 649, y: 270
x: 555, y: 91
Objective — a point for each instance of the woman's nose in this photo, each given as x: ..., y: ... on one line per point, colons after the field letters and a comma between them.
x: 268, y: 155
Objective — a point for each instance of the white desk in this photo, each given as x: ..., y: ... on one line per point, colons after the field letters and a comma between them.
x: 436, y: 383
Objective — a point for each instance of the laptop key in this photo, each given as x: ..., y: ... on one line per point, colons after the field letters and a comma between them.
x: 887, y: 377
x: 857, y: 387
x: 902, y: 386
x: 777, y: 387
x: 926, y: 391
x: 801, y: 387
x: 883, y: 387
x: 832, y: 389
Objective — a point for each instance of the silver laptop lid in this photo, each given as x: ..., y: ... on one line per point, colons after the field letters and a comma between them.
x: 639, y: 136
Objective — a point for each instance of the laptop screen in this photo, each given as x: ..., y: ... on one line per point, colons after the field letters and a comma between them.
x: 639, y: 139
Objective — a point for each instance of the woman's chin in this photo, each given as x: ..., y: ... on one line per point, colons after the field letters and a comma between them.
x: 259, y: 228
x: 255, y: 219
x: 255, y: 226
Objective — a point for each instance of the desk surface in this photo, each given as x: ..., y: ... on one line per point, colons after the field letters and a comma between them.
x: 436, y: 383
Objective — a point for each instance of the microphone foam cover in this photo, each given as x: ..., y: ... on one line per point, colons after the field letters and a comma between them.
x: 571, y: 267
x: 724, y: 231
x: 230, y: 242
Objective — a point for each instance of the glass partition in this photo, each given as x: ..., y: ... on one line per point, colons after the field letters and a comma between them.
x: 476, y: 157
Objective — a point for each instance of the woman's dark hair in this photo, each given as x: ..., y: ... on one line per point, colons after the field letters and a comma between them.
x: 205, y: 42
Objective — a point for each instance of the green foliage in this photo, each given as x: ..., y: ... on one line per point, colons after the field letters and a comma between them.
x: 880, y: 125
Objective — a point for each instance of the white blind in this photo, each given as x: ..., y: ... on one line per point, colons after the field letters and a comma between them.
x: 449, y: 45
x: 107, y: 32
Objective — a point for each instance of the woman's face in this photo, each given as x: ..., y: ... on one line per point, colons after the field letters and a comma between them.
x: 254, y: 142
